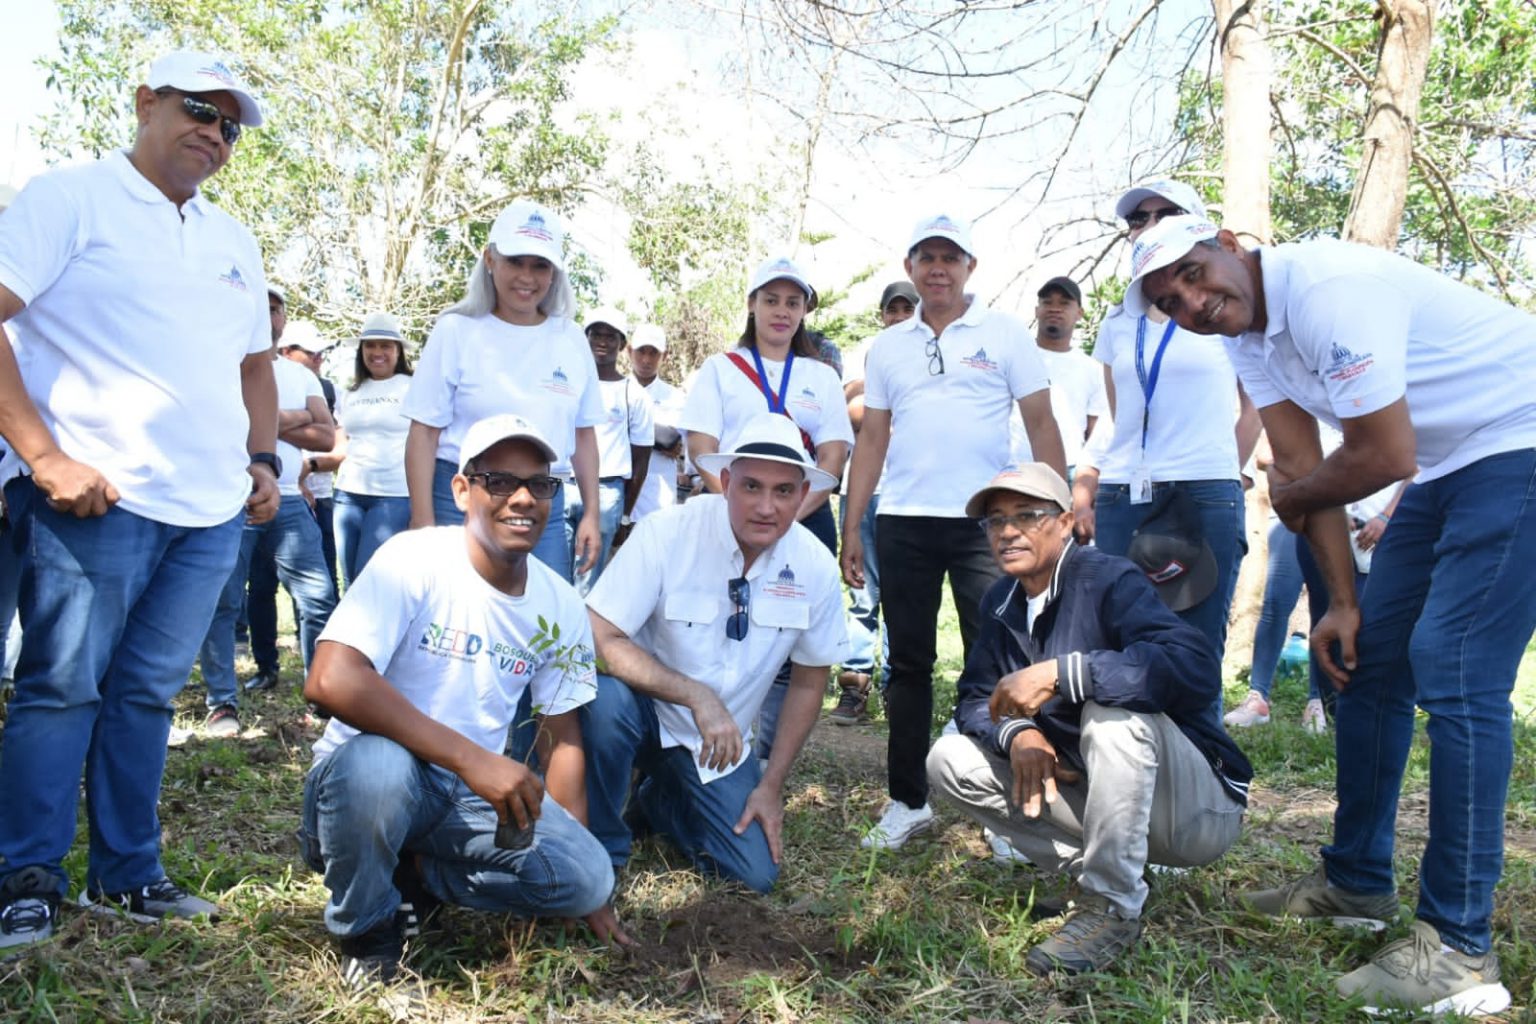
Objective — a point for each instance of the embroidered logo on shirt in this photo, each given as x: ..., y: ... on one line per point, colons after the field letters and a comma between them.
x: 234, y: 279
x: 784, y: 584
x: 559, y: 383
x: 806, y: 399
x: 979, y: 361
x: 1346, y: 365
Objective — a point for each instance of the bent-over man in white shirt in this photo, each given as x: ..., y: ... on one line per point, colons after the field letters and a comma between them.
x: 693, y: 618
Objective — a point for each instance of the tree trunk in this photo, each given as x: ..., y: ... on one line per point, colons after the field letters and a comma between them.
x: 1245, y: 81
x: 1381, y: 186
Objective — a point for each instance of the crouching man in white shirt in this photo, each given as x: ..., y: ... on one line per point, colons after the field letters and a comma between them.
x: 693, y: 619
x: 410, y: 799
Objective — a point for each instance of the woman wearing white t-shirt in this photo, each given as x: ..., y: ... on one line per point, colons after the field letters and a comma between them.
x: 774, y: 366
x: 372, y: 504
x: 1181, y: 422
x: 509, y: 346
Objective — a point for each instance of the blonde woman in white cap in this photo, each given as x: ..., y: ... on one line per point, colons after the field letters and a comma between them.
x: 372, y: 502
x: 509, y: 346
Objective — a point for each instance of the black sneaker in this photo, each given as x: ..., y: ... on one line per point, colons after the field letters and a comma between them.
x: 372, y: 958
x: 264, y: 679
x: 852, y: 705
x: 150, y: 903
x: 417, y: 905
x: 29, y: 902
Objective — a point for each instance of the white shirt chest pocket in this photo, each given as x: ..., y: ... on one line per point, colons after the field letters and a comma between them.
x: 778, y: 613
x: 690, y: 610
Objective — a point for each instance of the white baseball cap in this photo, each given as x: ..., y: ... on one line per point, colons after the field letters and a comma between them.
x: 775, y: 438
x: 527, y: 229
x: 302, y: 334
x: 383, y: 326
x: 491, y: 431
x: 607, y: 315
x: 1159, y: 246
x: 195, y: 72
x: 1176, y: 192
x: 782, y: 268
x: 649, y: 336
x: 943, y: 226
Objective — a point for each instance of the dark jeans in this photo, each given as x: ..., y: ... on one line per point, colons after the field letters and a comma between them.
x: 914, y: 553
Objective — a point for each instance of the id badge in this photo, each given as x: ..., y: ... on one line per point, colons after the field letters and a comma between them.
x: 1141, y: 484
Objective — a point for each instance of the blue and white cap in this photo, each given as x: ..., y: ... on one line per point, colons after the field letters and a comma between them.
x: 526, y: 228
x: 1159, y: 246
x: 782, y: 268
x: 195, y: 72
x: 942, y: 225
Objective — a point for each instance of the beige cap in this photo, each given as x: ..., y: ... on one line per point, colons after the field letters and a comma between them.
x: 1031, y: 479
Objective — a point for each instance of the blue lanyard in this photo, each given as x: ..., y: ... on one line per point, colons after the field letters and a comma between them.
x: 775, y: 402
x: 1148, y: 381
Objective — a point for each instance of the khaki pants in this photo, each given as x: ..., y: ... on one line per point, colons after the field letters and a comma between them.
x: 1148, y: 796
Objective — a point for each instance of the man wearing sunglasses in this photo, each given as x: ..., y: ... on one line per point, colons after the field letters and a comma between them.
x: 693, y: 618
x: 411, y: 801
x: 141, y: 411
x: 1089, y: 736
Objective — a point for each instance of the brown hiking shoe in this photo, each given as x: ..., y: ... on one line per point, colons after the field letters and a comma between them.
x: 853, y: 704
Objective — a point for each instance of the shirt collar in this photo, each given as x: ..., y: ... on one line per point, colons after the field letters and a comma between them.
x: 1275, y: 277
x: 1052, y: 592
x: 721, y: 521
x: 975, y: 312
x: 144, y: 190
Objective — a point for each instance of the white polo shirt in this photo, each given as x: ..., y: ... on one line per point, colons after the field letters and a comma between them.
x: 949, y: 431
x: 461, y: 651
x: 474, y: 367
x: 295, y: 386
x: 722, y: 399
x: 1077, y: 392
x: 1351, y: 329
x: 660, y: 488
x: 1191, y: 434
x: 668, y: 589
x: 376, y: 431
x: 627, y: 421
x: 137, y: 317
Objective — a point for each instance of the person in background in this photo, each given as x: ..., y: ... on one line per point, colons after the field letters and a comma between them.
x: 316, y: 482
x: 646, y: 356
x: 1078, y: 398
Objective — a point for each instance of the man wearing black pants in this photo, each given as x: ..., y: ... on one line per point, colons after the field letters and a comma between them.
x: 939, y: 390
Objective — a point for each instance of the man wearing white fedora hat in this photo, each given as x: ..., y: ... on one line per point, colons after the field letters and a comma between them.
x: 693, y: 618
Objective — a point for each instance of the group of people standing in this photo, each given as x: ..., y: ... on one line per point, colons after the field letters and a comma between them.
x: 502, y: 531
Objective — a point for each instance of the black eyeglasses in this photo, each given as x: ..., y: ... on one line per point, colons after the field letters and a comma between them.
x: 740, y: 592
x: 935, y: 357
x: 503, y: 484
x: 1137, y: 218
x: 1024, y: 522
x: 204, y: 112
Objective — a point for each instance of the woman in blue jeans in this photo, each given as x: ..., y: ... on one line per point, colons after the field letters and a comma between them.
x: 1180, y: 422
x: 372, y: 503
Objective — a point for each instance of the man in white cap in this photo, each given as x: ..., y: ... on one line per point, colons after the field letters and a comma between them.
x: 646, y: 354
x: 317, y: 481
x: 144, y: 427
x: 939, y: 390
x: 1089, y: 736
x: 1420, y: 371
x: 693, y: 619
x: 411, y: 801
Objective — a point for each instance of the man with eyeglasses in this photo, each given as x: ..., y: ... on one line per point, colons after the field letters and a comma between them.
x: 141, y: 411
x: 939, y: 391
x: 693, y: 619
x: 1089, y: 737
x: 411, y: 801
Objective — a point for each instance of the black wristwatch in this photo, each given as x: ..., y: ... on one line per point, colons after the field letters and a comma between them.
x: 270, y: 460
x: 314, y: 464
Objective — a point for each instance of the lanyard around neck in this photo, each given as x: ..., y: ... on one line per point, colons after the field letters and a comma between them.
x: 1149, y: 380
x: 775, y: 402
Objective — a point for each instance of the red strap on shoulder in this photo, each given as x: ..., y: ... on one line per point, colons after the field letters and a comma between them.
x: 757, y: 382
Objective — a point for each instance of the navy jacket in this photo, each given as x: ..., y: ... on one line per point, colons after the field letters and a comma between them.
x: 1115, y: 643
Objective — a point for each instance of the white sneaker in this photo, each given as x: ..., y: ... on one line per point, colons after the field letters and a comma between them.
x: 1314, y: 719
x: 897, y: 824
x: 1254, y: 710
x: 1003, y: 851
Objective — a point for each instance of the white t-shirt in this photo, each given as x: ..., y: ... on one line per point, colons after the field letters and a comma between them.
x: 1191, y: 434
x: 137, y: 318
x: 376, y: 430
x: 723, y: 399
x: 474, y: 367
x: 668, y: 589
x: 295, y: 386
x: 461, y: 651
x: 949, y: 431
x: 627, y: 421
x: 853, y: 370
x: 1077, y: 392
x: 1351, y: 329
x: 660, y: 488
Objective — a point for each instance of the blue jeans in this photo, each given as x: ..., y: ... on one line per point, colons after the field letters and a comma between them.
x: 1222, y: 518
x: 1282, y: 589
x: 620, y: 733
x: 551, y: 549
x: 292, y: 540
x: 113, y: 607
x: 1449, y: 606
x: 363, y: 523
x: 372, y: 800
x: 10, y: 588
x: 864, y: 603
x: 325, y: 518
x: 610, y: 509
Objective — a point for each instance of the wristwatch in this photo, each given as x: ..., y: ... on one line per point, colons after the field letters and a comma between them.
x: 270, y: 460
x: 314, y: 464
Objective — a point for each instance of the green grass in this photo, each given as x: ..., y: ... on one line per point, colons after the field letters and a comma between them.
x: 937, y: 932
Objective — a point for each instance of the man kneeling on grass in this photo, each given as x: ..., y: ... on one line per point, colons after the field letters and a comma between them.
x: 1090, y: 735
x: 410, y: 799
x: 693, y: 618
